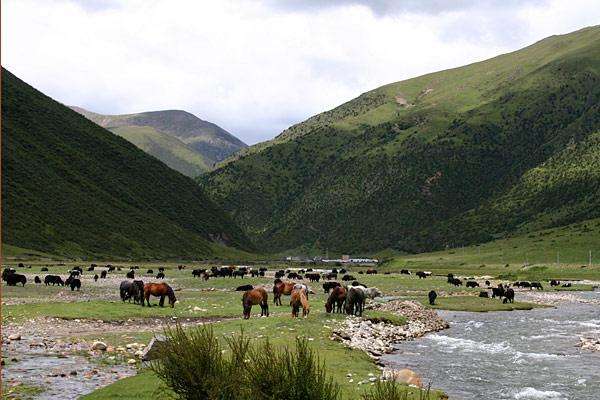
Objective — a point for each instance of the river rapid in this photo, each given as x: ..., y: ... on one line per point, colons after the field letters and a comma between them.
x: 523, y: 355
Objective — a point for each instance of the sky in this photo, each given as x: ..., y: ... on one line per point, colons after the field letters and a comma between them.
x: 257, y: 67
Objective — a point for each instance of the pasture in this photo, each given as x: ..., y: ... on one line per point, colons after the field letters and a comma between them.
x: 96, y: 313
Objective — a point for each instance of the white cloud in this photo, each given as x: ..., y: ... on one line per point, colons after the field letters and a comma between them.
x: 255, y: 68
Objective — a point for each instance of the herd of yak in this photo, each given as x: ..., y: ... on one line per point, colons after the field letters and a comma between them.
x: 349, y: 297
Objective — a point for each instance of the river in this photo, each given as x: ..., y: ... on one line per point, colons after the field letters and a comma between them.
x: 523, y: 355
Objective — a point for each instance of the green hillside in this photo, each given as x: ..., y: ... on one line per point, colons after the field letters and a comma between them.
x: 459, y: 156
x: 166, y: 148
x: 179, y: 139
x: 72, y: 188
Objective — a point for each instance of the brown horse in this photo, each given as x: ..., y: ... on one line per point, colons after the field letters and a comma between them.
x: 336, y: 300
x: 298, y: 300
x: 281, y: 288
x: 159, y: 290
x: 253, y: 297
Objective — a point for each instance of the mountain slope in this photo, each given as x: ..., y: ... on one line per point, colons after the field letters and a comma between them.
x: 71, y: 187
x: 415, y: 165
x: 181, y: 140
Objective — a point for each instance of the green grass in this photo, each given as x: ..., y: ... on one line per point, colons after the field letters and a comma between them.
x: 281, y: 331
x: 20, y: 392
x: 530, y: 256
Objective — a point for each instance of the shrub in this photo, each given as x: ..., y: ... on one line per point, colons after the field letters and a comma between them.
x: 392, y: 390
x: 194, y: 365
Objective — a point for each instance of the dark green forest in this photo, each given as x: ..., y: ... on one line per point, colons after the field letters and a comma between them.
x: 73, y: 188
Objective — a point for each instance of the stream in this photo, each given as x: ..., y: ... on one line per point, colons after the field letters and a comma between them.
x: 519, y: 355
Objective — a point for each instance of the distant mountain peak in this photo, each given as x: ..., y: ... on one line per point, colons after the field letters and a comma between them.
x: 177, y: 137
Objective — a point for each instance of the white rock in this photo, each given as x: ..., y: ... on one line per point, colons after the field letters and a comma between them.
x: 15, y: 336
x: 99, y: 346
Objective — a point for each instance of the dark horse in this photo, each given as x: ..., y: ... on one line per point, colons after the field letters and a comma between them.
x: 336, y: 299
x: 355, y: 301
x: 253, y: 297
x: 159, y: 290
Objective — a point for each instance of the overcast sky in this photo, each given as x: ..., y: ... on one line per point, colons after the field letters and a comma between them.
x: 253, y: 67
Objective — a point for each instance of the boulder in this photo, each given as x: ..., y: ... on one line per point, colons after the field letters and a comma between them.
x: 403, y: 376
x: 99, y: 346
x: 152, y: 351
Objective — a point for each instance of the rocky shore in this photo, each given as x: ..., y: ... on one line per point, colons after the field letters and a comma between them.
x: 590, y: 341
x: 378, y: 338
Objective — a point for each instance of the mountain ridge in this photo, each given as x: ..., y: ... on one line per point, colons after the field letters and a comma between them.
x: 181, y: 140
x: 399, y: 165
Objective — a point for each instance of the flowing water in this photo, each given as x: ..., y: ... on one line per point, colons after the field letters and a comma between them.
x: 510, y: 355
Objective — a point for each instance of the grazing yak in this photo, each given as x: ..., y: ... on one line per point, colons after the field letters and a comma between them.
x: 150, y: 272
x: 331, y: 275
x: 405, y: 272
x: 498, y: 292
x: 313, y: 277
x: 13, y: 279
x: 554, y: 282
x: 327, y: 286
x: 484, y: 293
x: 130, y: 274
x: 37, y: 279
x: 423, y: 274
x: 244, y: 288
x: 75, y: 283
x: 509, y: 296
x: 54, y: 280
x: 160, y: 275
x: 348, y: 278
x: 456, y: 282
x: 567, y: 284
x: 103, y: 274
x: 44, y: 269
x: 472, y: 284
x: 197, y: 273
x: 96, y: 278
x: 536, y: 285
x: 432, y: 296
x: 371, y: 271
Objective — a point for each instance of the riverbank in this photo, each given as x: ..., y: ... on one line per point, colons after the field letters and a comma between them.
x: 520, y: 355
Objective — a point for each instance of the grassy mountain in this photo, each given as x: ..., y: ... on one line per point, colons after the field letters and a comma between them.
x: 458, y: 156
x: 179, y: 139
x: 71, y: 187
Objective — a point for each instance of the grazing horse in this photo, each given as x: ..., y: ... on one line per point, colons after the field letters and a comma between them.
x: 509, y: 296
x: 355, y: 300
x: 159, y: 290
x: 281, y: 288
x: 298, y: 299
x: 432, y: 296
x: 336, y: 299
x: 253, y: 297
